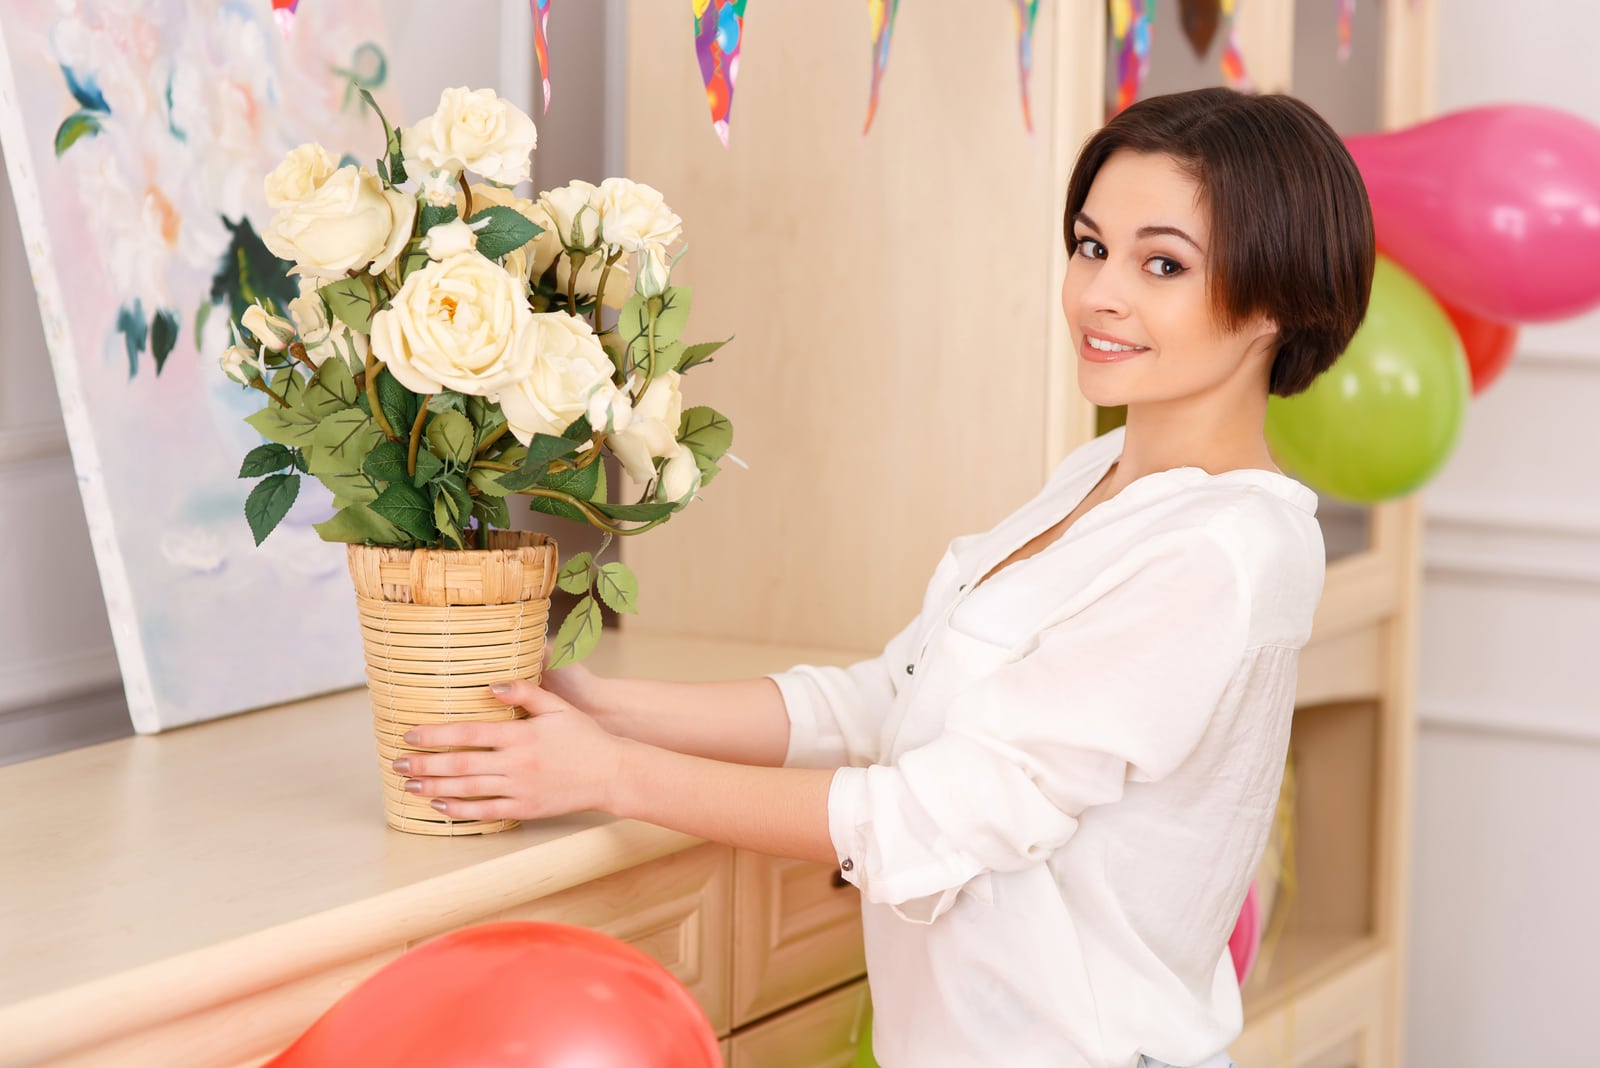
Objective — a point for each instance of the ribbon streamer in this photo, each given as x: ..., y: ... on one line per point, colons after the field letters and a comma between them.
x: 283, y: 11
x: 1130, y: 35
x: 881, y: 15
x: 1027, y: 13
x: 541, y: 44
x: 718, y: 35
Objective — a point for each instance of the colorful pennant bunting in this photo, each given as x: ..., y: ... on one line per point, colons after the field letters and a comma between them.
x: 882, y: 14
x: 1027, y: 13
x: 541, y: 45
x: 1347, y: 16
x: 1232, y: 56
x: 1130, y: 35
x: 718, y: 33
x: 1200, y: 18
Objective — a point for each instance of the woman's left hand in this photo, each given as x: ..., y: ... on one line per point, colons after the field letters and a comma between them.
x: 556, y: 762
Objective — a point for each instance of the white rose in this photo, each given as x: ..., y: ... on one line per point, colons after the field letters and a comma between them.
x: 680, y: 478
x: 588, y: 282
x: 532, y: 259
x: 654, y: 272
x: 322, y: 334
x: 635, y: 217
x: 240, y: 363
x: 273, y: 332
x: 653, y: 430
x: 451, y: 239
x: 569, y: 369
x: 298, y: 176
x: 439, y: 188
x: 347, y: 221
x: 574, y: 209
x: 455, y: 325
x: 473, y: 130
x: 610, y: 411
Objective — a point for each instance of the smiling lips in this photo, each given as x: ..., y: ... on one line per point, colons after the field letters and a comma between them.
x: 1102, y: 348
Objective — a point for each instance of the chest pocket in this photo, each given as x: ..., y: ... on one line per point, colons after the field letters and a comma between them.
x: 951, y: 661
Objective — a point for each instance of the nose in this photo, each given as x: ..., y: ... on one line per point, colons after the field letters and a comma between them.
x: 1101, y: 292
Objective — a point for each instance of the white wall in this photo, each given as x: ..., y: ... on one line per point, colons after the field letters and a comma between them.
x: 1506, y: 930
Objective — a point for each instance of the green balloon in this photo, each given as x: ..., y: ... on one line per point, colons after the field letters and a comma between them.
x: 1384, y: 418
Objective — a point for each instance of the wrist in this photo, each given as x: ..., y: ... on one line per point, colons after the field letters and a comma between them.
x: 619, y: 791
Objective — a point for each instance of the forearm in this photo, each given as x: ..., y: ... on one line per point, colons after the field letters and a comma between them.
x: 741, y: 721
x: 780, y: 811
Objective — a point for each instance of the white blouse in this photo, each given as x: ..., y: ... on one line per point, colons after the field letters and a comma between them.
x: 1054, y: 788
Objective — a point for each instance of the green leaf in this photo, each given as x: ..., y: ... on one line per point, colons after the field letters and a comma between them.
x: 432, y: 216
x: 487, y: 482
x: 163, y: 335
x: 300, y: 461
x: 576, y: 574
x: 269, y: 502
x: 442, y: 518
x: 535, y: 469
x: 399, y: 404
x: 507, y: 231
x: 486, y: 417
x: 579, y: 634
x: 429, y: 467
x: 353, y: 301
x: 287, y: 384
x: 387, y: 462
x: 348, y: 487
x: 455, y: 487
x: 360, y: 524
x: 706, y: 431
x: 78, y: 125
x: 135, y: 332
x: 391, y: 140
x: 331, y: 389
x: 286, y: 426
x: 265, y: 459
x: 323, y: 460
x: 634, y: 513
x: 580, y: 483
x: 673, y: 315
x: 407, y: 508
x: 491, y: 511
x: 351, y: 433
x: 447, y: 400
x: 618, y: 587
x: 695, y: 355
x: 579, y: 430
x: 450, y: 437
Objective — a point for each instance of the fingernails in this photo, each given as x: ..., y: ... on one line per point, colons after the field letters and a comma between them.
x: 438, y: 804
x: 410, y: 737
x: 500, y: 689
x: 403, y: 766
x: 413, y: 786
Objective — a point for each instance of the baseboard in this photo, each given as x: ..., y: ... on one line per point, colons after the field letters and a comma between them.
x: 1540, y: 722
x: 65, y: 723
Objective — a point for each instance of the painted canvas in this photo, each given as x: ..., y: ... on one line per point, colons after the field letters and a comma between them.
x: 137, y: 133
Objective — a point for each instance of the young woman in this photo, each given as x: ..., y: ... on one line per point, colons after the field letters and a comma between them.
x: 1054, y: 785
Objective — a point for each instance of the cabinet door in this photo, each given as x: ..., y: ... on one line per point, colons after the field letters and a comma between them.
x: 822, y: 1033
x: 675, y: 909
x: 797, y: 932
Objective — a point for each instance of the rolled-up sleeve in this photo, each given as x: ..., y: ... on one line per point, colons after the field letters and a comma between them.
x: 1121, y: 690
x: 836, y: 714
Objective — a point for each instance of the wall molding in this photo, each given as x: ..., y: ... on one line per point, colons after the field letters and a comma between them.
x: 41, y: 441
x: 1534, y: 540
x: 1537, y: 722
x: 49, y: 679
x: 68, y: 723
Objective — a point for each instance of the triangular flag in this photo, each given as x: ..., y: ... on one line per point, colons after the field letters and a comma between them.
x: 718, y: 33
x: 1130, y: 37
x: 1027, y: 13
x: 882, y: 16
x: 1200, y: 18
x: 283, y: 11
x: 1232, y: 55
x: 541, y: 47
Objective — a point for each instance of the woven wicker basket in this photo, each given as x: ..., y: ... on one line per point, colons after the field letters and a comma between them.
x: 439, y: 626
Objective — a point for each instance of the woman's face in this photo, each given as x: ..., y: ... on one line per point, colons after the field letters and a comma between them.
x: 1135, y: 294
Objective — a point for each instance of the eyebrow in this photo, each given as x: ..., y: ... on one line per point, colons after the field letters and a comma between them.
x: 1145, y: 231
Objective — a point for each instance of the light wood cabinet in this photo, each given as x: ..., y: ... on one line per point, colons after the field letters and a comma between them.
x: 822, y: 1033
x: 797, y: 932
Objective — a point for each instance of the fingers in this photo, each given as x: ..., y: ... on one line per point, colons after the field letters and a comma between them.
x: 500, y: 808
x: 525, y: 694
x: 490, y: 735
x: 466, y: 763
x: 473, y: 786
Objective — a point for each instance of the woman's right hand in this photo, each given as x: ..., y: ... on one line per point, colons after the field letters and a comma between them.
x: 574, y: 683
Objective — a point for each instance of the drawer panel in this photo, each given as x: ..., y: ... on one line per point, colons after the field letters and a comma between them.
x: 822, y: 1033
x: 797, y: 932
x: 675, y: 909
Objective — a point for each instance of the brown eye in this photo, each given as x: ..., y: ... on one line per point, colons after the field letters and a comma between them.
x: 1088, y: 246
x: 1165, y: 267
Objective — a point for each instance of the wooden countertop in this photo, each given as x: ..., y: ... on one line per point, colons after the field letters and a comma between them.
x: 233, y: 855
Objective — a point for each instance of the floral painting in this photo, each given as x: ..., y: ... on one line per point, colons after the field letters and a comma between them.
x: 136, y: 133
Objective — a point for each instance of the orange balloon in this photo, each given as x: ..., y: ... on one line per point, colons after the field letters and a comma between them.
x: 513, y: 995
x: 1490, y: 345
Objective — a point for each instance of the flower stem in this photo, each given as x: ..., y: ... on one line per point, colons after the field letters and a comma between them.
x: 494, y: 465
x: 416, y: 437
x: 595, y: 518
x: 600, y: 294
x: 492, y: 438
x: 256, y: 383
x: 298, y: 351
x: 466, y: 197
x: 375, y: 365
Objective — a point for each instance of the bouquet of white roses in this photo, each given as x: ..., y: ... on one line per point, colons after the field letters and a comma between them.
x: 449, y: 349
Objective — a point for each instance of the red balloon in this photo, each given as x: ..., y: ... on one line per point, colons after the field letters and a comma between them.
x: 513, y: 995
x: 1489, y: 344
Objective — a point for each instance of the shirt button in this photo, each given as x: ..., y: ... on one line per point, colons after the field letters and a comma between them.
x: 846, y: 864
x: 911, y: 669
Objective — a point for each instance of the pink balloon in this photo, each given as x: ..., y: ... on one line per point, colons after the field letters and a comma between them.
x: 1245, y: 942
x: 1495, y: 209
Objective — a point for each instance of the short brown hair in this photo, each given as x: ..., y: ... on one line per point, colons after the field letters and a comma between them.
x: 1291, y: 228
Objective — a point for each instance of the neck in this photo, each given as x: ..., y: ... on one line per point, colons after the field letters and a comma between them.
x: 1220, y: 434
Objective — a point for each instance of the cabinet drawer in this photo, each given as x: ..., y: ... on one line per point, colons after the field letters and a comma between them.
x: 675, y: 909
x: 822, y: 1033
x: 797, y: 932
